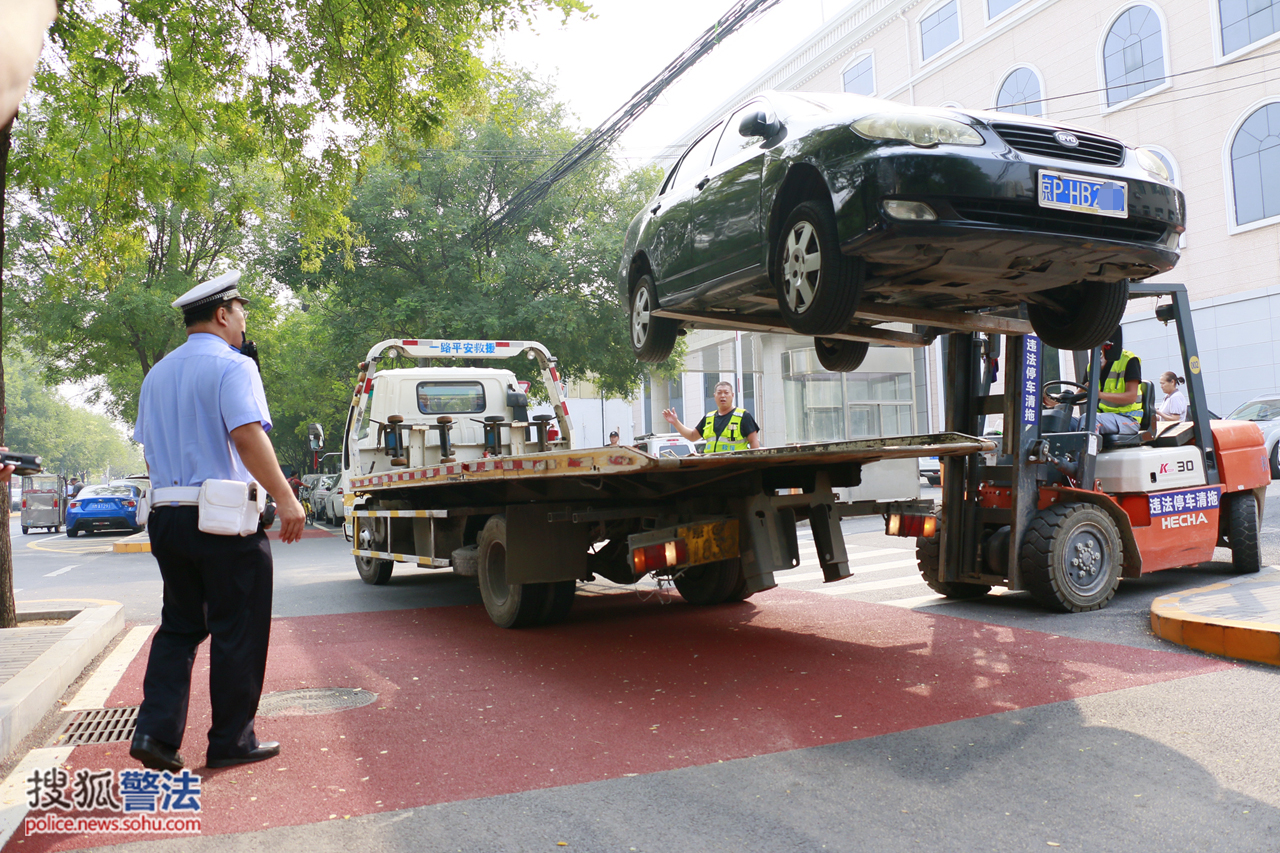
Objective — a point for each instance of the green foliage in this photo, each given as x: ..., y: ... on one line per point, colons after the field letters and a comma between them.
x: 72, y: 440
x: 422, y: 269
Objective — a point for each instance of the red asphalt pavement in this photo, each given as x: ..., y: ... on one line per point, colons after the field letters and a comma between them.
x: 625, y: 687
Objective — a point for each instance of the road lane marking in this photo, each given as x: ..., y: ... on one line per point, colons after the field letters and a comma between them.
x: 62, y: 571
x: 855, y: 588
x: 97, y: 687
x: 813, y: 576
x: 936, y: 598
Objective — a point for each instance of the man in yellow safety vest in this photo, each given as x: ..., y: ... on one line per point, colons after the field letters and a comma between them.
x: 725, y: 428
x: 1119, y: 400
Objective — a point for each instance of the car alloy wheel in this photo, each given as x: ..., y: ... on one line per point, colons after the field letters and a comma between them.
x: 818, y: 286
x: 652, y: 338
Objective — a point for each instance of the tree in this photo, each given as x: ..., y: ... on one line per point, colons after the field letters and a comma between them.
x: 134, y: 102
x: 421, y: 267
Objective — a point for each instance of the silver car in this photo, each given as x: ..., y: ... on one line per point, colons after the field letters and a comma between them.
x: 1264, y: 410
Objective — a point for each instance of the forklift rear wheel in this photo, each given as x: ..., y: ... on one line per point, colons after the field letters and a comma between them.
x: 1242, y: 533
x: 509, y: 605
x: 1071, y: 557
x: 840, y: 356
x: 1084, y: 314
x: 373, y: 537
x: 709, y: 583
x: 928, y: 551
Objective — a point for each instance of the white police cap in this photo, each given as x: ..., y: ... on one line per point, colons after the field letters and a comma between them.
x: 211, y: 292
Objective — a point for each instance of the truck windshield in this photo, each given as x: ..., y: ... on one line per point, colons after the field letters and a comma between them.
x: 450, y: 398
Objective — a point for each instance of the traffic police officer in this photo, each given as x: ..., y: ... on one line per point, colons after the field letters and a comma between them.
x: 202, y: 415
x: 725, y: 428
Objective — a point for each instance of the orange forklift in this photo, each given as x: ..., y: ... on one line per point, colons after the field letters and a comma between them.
x: 1066, y: 514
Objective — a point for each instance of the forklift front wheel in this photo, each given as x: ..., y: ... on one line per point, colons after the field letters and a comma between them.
x: 1242, y: 533
x: 1071, y: 557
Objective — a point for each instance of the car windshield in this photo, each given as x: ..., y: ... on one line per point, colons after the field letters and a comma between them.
x: 1257, y: 410
x: 107, y: 492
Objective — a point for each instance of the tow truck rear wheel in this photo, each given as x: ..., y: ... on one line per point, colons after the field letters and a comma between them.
x: 509, y: 605
x: 1242, y: 533
x: 709, y: 583
x: 928, y: 555
x: 373, y: 537
x: 1083, y: 315
x: 1071, y: 557
x: 840, y: 356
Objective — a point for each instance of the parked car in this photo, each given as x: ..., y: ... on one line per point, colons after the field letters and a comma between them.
x: 143, y: 482
x: 335, y: 509
x: 665, y: 444
x: 802, y: 208
x: 1264, y: 410
x: 111, y: 507
x: 931, y: 470
x: 320, y: 496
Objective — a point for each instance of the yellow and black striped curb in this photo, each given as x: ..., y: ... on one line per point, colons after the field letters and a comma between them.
x: 1238, y: 618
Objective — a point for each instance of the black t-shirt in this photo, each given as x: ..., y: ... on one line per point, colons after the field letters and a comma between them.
x: 721, y: 422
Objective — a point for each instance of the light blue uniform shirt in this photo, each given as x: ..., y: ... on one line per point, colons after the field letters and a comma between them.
x: 191, y: 401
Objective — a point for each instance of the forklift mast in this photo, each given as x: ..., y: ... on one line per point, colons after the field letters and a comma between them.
x: 1027, y: 455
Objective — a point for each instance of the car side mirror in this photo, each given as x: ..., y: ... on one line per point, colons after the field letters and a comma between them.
x: 757, y: 124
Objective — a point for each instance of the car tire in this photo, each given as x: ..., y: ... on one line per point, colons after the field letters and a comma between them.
x: 1085, y: 316
x: 72, y: 533
x: 1275, y: 460
x: 818, y: 286
x: 840, y: 356
x: 652, y: 338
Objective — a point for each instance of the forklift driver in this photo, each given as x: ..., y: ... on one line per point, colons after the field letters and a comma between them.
x: 1119, y: 401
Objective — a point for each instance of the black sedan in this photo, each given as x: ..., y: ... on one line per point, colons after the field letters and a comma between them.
x: 804, y: 209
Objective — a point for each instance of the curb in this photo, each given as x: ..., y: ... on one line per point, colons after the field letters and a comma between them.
x: 1231, y: 638
x: 28, y: 696
x: 133, y: 544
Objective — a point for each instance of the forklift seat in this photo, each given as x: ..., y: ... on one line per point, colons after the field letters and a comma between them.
x: 1146, y: 394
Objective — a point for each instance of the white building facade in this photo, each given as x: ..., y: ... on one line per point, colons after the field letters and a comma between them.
x: 1196, y: 80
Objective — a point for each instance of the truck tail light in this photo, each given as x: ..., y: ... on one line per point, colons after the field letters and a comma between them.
x: 664, y: 555
x: 55, y: 503
x: 24, y: 503
x: 896, y: 524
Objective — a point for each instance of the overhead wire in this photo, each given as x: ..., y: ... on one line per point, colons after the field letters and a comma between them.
x: 616, y: 124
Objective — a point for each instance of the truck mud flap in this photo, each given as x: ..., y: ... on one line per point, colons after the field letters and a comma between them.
x: 541, y: 552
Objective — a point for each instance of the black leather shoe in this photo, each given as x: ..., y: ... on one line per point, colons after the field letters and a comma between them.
x: 266, y: 749
x: 154, y: 755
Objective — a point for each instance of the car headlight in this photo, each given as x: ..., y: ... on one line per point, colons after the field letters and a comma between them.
x: 1148, y: 160
x: 922, y: 130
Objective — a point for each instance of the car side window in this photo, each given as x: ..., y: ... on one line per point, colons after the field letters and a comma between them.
x: 696, y: 159
x: 731, y: 142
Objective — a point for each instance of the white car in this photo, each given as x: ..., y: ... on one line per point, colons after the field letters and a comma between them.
x: 931, y: 470
x: 335, y: 510
x: 665, y: 444
x: 1264, y: 410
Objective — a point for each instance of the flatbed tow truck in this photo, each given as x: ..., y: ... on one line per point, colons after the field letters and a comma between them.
x: 530, y: 517
x: 1061, y: 513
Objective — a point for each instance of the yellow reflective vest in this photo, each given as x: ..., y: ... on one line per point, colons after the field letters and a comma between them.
x: 1113, y: 383
x: 730, y: 439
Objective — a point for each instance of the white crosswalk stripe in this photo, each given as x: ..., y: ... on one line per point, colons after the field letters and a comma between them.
x: 801, y: 577
x: 851, y: 588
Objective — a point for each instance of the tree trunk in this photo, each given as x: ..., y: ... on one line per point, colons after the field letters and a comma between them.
x: 8, y: 610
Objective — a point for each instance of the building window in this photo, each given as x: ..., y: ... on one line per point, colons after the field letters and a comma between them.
x: 1247, y: 21
x: 824, y: 406
x: 1020, y: 93
x: 1255, y: 166
x: 1133, y: 55
x: 939, y: 30
x: 995, y: 8
x: 859, y: 78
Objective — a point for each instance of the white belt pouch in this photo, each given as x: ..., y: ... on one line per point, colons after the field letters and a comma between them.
x: 230, y: 507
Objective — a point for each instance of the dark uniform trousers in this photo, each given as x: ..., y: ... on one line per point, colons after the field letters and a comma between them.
x: 214, y: 586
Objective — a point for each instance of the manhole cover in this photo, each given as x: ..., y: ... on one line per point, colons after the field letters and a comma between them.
x: 102, y: 725
x: 313, y: 700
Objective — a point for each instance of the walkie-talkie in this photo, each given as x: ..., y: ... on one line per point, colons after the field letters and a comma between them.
x: 250, y: 349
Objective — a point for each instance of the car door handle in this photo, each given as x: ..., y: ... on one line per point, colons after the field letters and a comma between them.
x: 702, y: 183
x: 656, y: 208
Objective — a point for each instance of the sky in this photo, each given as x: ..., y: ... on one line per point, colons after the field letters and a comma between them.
x: 598, y: 64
